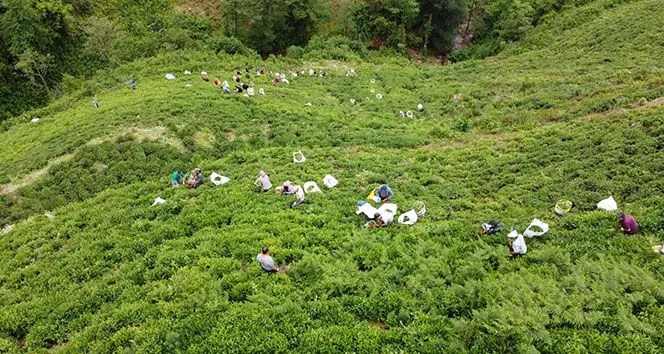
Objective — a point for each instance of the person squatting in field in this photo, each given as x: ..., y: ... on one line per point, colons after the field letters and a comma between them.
x: 266, y: 261
x: 517, y: 246
x: 177, y: 178
x: 289, y: 189
x: 263, y: 181
x: 627, y: 224
x: 384, y: 193
x: 196, y: 179
x: 378, y: 221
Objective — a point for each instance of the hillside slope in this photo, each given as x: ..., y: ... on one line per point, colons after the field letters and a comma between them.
x: 575, y: 112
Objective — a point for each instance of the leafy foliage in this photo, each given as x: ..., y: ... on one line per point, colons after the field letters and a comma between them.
x: 562, y: 115
x: 270, y: 26
x: 496, y: 23
x: 439, y: 22
x: 387, y: 21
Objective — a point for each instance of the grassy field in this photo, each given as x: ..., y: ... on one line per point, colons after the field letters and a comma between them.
x: 574, y: 111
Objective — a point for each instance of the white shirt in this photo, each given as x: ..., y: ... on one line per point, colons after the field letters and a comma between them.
x: 264, y: 182
x: 299, y: 193
x: 266, y: 261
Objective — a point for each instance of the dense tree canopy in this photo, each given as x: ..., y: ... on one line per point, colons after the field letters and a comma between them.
x: 42, y: 40
x: 271, y: 26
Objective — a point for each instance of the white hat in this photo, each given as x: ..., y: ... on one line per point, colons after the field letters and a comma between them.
x: 513, y: 234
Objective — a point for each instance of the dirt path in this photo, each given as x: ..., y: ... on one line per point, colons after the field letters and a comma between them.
x: 155, y: 134
x: 10, y: 188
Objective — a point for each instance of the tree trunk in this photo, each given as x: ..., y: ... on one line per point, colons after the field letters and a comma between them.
x: 471, y: 10
x: 42, y: 78
x: 427, y: 32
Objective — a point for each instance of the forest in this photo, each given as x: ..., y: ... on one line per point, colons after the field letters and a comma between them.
x: 46, y: 45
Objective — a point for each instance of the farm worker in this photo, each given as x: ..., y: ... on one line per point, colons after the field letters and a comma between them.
x: 205, y: 78
x: 196, y: 179
x: 299, y: 196
x: 490, y: 227
x: 238, y: 89
x: 176, y: 178
x: 217, y: 82
x: 226, y: 90
x: 627, y: 224
x: 379, y: 221
x: 517, y: 245
x: 266, y: 261
x: 225, y: 84
x: 384, y: 193
x: 289, y: 189
x: 95, y: 104
x: 263, y: 181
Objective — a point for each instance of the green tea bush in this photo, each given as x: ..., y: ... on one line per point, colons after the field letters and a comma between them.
x: 503, y: 138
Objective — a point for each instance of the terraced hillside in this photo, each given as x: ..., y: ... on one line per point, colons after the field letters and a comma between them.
x: 575, y: 111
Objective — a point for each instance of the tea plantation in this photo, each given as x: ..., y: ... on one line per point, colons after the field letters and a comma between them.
x: 575, y: 111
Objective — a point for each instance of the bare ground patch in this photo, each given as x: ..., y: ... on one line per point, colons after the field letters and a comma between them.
x: 155, y: 134
x: 638, y: 106
x: 33, y: 177
x: 204, y: 139
x: 380, y: 325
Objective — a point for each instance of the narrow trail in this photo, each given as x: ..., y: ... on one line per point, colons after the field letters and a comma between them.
x: 157, y: 134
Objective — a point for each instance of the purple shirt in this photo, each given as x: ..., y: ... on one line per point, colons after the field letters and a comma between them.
x: 629, y: 225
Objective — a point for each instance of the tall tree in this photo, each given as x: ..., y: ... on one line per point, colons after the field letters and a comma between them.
x: 37, y: 34
x: 386, y: 21
x: 439, y: 22
x: 271, y: 26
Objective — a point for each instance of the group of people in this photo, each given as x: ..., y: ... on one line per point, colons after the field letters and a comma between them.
x: 195, y: 179
x: 287, y: 188
x: 517, y: 244
x: 240, y: 86
x: 381, y: 194
x: 247, y: 87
